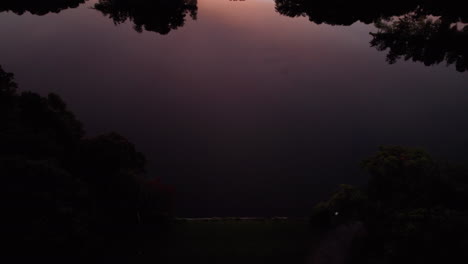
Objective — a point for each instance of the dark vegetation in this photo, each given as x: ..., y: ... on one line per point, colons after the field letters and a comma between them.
x: 36, y: 7
x: 423, y: 39
x: 64, y: 194
x: 345, y: 13
x: 160, y: 16
x: 424, y: 31
x: 413, y: 209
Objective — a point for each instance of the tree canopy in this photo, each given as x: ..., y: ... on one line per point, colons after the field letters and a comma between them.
x: 38, y: 7
x: 413, y: 207
x: 63, y: 191
x: 345, y: 13
x: 159, y: 16
x: 423, y: 39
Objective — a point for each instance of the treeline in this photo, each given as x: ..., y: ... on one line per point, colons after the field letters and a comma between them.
x: 35, y: 7
x: 424, y: 39
x: 67, y: 195
x: 345, y: 13
x: 427, y: 31
x: 413, y: 209
x: 159, y: 16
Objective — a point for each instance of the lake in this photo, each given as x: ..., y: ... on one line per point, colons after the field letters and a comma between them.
x: 255, y: 107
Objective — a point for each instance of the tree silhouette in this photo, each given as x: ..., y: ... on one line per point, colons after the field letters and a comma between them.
x: 420, y: 30
x: 160, y: 16
x: 413, y: 209
x: 38, y: 7
x: 62, y: 192
x: 340, y: 12
x: 345, y: 13
x: 423, y: 39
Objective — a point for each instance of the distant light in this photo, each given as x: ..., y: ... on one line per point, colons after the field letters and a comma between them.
x: 336, y: 213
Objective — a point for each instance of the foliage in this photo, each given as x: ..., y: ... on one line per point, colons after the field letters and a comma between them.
x: 345, y: 13
x: 38, y: 7
x: 426, y: 31
x: 63, y: 191
x: 420, y: 38
x: 348, y: 203
x: 413, y: 208
x: 160, y: 16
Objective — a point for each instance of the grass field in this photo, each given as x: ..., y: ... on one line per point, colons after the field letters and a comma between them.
x: 239, y: 241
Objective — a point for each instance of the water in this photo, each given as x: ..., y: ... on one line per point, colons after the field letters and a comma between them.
x: 246, y: 111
